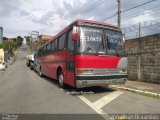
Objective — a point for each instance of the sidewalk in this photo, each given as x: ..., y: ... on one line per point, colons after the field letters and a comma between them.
x: 141, y: 87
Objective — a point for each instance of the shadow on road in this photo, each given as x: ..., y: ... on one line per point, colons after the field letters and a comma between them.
x: 80, y: 91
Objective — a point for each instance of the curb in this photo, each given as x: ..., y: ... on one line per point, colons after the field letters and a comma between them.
x: 137, y: 91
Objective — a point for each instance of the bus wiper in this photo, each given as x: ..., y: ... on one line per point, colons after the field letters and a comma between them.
x: 98, y: 48
x: 112, y: 46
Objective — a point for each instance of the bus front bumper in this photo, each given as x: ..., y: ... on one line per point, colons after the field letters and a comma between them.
x: 99, y: 81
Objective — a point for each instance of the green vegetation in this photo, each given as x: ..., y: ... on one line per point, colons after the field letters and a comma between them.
x: 8, y: 45
x: 34, y: 46
x: 12, y: 44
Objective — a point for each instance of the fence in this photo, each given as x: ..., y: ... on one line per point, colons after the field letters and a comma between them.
x: 142, y: 29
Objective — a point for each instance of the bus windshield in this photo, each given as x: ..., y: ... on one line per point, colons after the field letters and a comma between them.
x: 99, y: 41
x: 113, y: 40
x: 90, y: 40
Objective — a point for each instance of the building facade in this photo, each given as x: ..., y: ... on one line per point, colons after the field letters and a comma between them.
x: 1, y: 35
x: 1, y: 56
x: 43, y: 37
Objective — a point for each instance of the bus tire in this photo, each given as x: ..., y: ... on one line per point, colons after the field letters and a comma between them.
x: 61, y: 80
x: 40, y: 72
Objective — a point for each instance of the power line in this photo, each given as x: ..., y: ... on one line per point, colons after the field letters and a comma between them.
x: 86, y: 7
x: 140, y: 13
x: 138, y: 6
x: 109, y: 17
x: 135, y: 15
x: 75, y: 12
x: 125, y: 10
x: 144, y: 11
x: 91, y: 7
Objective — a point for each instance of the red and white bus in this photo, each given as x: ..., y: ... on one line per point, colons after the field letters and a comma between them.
x: 86, y: 53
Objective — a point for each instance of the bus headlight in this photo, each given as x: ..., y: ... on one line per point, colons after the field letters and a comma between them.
x: 84, y: 71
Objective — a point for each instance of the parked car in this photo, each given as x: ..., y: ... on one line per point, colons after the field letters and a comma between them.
x: 30, y: 61
x: 36, y: 62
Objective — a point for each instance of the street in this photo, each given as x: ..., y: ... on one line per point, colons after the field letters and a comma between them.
x: 23, y: 91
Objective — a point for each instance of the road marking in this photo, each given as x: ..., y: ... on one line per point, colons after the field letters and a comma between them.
x: 106, y: 99
x: 97, y: 105
x: 85, y: 100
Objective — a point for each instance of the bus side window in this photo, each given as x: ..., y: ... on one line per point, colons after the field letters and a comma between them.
x: 48, y: 48
x: 52, y: 47
x: 61, y: 43
x: 40, y: 52
x: 45, y: 50
x: 56, y: 46
x: 70, y: 41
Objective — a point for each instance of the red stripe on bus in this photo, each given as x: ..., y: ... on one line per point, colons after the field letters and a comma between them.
x: 97, y: 61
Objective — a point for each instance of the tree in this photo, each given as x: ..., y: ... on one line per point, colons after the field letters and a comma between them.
x: 19, y: 40
x: 5, y: 38
x: 28, y: 38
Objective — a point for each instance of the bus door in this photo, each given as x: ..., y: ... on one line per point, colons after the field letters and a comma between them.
x: 70, y: 61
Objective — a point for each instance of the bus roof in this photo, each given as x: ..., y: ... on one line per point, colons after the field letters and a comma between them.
x: 95, y: 22
x: 80, y: 22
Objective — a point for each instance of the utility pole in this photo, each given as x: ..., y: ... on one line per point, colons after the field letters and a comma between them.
x: 139, y: 29
x: 119, y: 13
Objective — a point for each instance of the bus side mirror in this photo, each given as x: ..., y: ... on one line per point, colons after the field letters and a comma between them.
x: 75, y: 34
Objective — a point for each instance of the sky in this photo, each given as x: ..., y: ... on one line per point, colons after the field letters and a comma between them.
x: 21, y: 17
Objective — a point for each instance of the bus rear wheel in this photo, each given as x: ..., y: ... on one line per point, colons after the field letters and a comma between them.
x: 40, y: 73
x: 61, y: 80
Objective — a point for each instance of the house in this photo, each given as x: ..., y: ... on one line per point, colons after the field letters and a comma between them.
x: 45, y: 37
x: 1, y: 56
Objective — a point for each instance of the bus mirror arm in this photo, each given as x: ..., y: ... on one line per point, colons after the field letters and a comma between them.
x: 74, y: 36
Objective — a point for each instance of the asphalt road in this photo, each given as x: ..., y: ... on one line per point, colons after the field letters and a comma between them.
x: 22, y: 91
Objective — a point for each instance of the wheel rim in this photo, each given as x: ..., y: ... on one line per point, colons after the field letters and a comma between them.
x: 40, y: 73
x: 61, y: 80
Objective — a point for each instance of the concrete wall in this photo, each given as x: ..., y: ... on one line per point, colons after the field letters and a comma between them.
x: 144, y: 58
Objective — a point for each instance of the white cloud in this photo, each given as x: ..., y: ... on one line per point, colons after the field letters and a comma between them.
x: 20, y: 17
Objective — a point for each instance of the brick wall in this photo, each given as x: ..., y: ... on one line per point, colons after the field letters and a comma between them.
x: 144, y: 58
